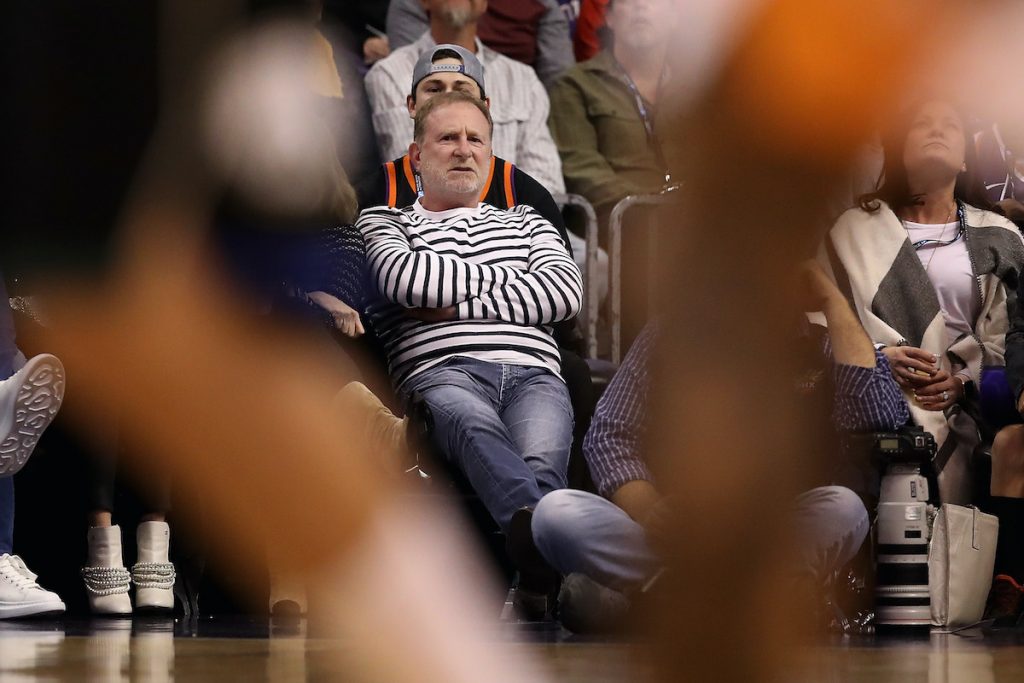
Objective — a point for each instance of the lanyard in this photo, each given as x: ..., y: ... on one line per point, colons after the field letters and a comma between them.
x: 645, y: 116
x: 961, y: 216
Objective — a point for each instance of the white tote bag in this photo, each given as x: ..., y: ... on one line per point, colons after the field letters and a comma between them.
x: 960, y: 561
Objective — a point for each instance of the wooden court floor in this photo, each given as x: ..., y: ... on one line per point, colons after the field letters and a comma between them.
x: 248, y: 649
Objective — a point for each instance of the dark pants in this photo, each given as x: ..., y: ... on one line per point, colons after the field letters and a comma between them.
x: 8, y: 350
x: 6, y: 515
x: 156, y: 498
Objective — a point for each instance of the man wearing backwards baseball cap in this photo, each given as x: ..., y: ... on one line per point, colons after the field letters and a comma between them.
x: 447, y: 68
x: 520, y: 104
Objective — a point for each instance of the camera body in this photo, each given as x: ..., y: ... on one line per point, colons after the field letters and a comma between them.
x: 906, y: 508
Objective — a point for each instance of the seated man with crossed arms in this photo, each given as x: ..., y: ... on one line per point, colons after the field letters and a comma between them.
x: 466, y: 296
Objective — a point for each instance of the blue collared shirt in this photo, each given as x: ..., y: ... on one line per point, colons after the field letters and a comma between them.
x: 865, y: 399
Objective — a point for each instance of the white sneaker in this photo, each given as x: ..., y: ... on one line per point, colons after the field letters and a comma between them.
x: 29, y: 400
x: 20, y: 595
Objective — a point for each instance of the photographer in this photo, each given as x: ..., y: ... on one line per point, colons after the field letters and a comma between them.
x: 601, y: 542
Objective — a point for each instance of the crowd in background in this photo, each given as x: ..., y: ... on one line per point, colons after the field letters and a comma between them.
x: 450, y: 263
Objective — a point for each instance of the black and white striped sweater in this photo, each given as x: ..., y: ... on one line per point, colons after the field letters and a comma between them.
x: 506, y: 272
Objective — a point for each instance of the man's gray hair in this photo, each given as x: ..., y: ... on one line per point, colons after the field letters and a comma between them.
x: 436, y: 102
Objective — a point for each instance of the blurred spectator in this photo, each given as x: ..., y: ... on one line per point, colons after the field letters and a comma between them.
x: 587, y: 38
x: 520, y: 102
x: 1002, y: 169
x: 308, y: 271
x: 603, y: 543
x: 364, y: 21
x: 603, y: 112
x: 1012, y: 209
x: 467, y: 296
x: 1004, y: 174
x: 534, y: 32
x: 943, y: 315
x: 324, y: 78
x: 1006, y: 600
x: 1002, y: 166
x: 571, y: 10
x: 30, y: 395
x: 337, y: 79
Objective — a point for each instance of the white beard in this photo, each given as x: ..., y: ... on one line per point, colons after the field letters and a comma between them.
x: 436, y: 176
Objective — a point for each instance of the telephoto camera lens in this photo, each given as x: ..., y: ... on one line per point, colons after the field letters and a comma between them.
x: 901, y: 593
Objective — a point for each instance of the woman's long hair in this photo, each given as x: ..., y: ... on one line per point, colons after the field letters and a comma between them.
x: 893, y: 184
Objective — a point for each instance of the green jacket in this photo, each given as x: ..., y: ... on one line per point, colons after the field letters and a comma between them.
x: 605, y: 150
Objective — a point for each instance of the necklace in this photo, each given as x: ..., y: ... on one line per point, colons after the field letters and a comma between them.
x: 934, y: 243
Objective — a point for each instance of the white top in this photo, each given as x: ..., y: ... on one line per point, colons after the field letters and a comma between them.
x: 949, y: 269
x: 519, y: 107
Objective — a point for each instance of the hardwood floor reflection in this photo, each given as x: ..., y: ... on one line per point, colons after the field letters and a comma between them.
x: 160, y: 651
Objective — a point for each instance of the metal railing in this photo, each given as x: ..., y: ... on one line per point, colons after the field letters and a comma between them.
x: 591, y: 288
x: 615, y: 225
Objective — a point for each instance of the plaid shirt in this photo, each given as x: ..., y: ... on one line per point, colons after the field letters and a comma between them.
x: 866, y: 399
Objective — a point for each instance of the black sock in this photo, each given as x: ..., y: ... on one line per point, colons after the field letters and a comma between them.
x: 1010, y: 547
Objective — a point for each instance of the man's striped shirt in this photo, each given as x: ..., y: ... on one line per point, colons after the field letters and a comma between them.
x: 506, y: 272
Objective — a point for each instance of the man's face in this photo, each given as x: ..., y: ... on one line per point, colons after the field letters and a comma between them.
x: 455, y: 13
x: 441, y: 82
x: 641, y: 23
x: 455, y: 154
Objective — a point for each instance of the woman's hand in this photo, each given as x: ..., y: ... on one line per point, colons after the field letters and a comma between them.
x: 344, y: 316
x: 911, y: 366
x: 944, y: 391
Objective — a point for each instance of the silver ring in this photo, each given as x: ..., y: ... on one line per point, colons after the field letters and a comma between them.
x: 945, y: 395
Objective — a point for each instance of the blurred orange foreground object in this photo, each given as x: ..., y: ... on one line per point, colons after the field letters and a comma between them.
x: 812, y: 78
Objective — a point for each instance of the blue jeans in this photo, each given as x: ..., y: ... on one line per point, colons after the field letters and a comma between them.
x: 581, y: 532
x: 508, y: 428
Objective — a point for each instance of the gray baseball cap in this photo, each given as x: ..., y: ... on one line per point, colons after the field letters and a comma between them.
x: 470, y: 66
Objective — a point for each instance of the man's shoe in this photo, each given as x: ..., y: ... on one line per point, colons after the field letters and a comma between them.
x: 538, y: 582
x: 29, y: 400
x: 20, y: 595
x: 106, y: 580
x: 1005, y: 600
x: 153, y: 574
x: 587, y: 607
x: 530, y: 605
x: 534, y: 570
